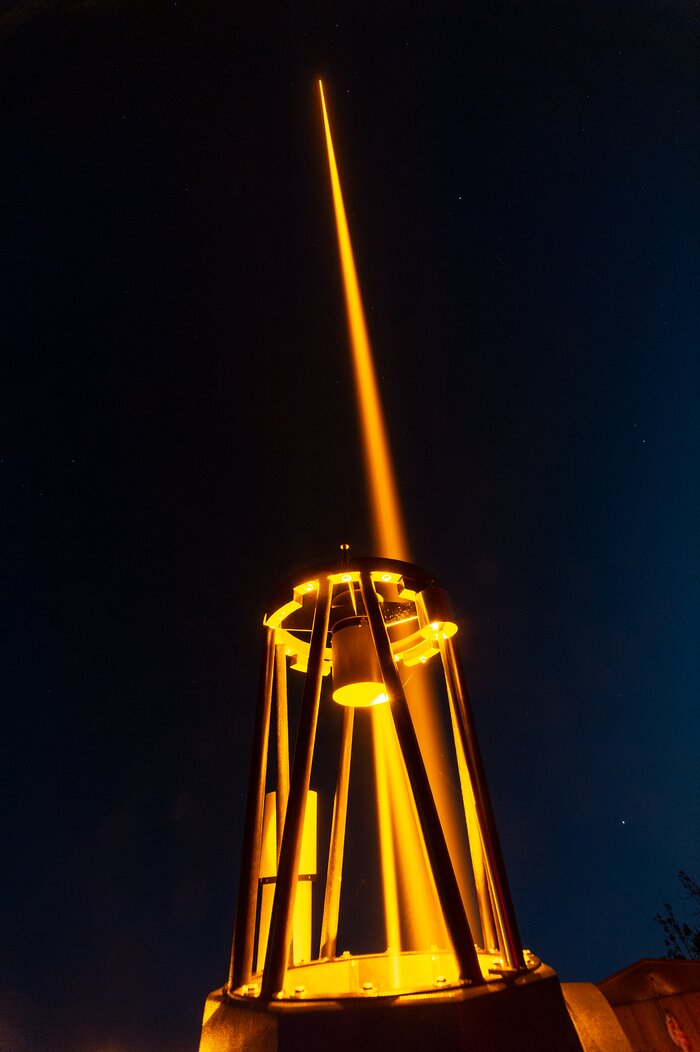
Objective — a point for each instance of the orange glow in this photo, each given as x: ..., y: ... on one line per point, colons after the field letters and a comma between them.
x: 384, y: 501
x: 361, y: 695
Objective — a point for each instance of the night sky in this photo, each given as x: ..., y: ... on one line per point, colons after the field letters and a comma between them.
x: 179, y: 433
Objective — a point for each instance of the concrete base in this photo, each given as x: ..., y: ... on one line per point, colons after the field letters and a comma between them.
x: 526, y: 1014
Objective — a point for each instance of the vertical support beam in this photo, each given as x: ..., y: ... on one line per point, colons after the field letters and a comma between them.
x: 281, y: 925
x: 436, y: 845
x: 505, y: 914
x: 476, y: 847
x: 334, y: 876
x: 386, y: 820
x: 244, y: 931
x: 281, y: 738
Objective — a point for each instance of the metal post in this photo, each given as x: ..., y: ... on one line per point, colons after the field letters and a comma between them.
x: 281, y: 924
x: 281, y: 739
x: 492, y: 850
x: 246, y: 907
x: 334, y: 876
x: 436, y: 845
x: 476, y: 847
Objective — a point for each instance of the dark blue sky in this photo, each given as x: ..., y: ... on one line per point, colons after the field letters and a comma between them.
x: 179, y: 433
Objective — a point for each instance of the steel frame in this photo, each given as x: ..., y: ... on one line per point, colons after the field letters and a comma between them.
x: 495, y: 903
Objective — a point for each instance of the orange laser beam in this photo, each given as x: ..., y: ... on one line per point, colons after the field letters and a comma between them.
x: 384, y: 501
x: 401, y: 847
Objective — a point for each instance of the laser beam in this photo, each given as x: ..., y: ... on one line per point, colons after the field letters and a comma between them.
x: 401, y: 849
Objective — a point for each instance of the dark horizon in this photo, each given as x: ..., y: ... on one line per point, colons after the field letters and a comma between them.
x: 180, y: 434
